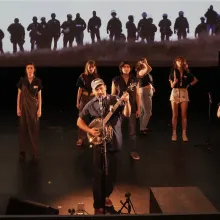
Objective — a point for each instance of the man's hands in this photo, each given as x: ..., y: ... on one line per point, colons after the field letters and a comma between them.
x: 18, y: 112
x: 39, y: 113
x: 125, y: 97
x: 94, y: 132
x: 138, y: 112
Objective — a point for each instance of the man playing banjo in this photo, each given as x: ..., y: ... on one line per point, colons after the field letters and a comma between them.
x: 121, y: 109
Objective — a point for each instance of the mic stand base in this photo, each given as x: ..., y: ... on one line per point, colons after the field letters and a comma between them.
x: 130, y: 206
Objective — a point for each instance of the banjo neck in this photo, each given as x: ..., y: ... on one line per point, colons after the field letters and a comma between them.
x: 108, y: 116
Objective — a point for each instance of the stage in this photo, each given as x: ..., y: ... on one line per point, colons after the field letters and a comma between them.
x: 62, y: 177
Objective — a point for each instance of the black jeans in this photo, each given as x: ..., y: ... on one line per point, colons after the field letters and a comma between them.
x: 129, y: 132
x: 98, y: 179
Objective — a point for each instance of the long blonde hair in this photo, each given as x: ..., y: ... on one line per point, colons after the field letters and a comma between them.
x: 90, y: 62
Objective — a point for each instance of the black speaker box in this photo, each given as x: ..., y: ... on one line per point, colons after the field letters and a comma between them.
x: 24, y: 207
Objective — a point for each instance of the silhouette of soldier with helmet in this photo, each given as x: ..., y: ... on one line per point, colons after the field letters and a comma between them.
x: 181, y: 26
x: 151, y: 30
x: 43, y: 35
x: 68, y: 31
x: 122, y: 37
x: 200, y: 30
x: 79, y: 27
x: 114, y: 26
x: 17, y: 32
x: 165, y: 28
x: 33, y: 28
x: 53, y: 30
x: 217, y: 30
x: 131, y: 29
x: 2, y: 35
x: 143, y: 26
x: 211, y: 19
x: 94, y: 25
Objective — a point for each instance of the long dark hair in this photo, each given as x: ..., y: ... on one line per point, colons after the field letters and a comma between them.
x: 124, y: 63
x: 184, y: 63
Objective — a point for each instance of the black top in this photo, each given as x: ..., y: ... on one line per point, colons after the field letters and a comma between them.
x: 146, y: 80
x: 121, y: 87
x: 92, y: 111
x: 34, y: 87
x: 84, y: 81
x: 183, y: 81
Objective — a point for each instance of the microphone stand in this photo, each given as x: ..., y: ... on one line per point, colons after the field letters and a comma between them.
x: 208, y: 132
x: 103, y: 154
x: 127, y: 202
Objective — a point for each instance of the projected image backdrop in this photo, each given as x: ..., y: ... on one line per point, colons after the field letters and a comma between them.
x: 26, y: 10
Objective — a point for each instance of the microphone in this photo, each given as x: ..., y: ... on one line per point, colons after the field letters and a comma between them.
x: 100, y: 102
x: 210, y: 97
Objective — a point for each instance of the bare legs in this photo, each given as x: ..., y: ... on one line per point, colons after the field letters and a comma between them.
x: 183, y: 107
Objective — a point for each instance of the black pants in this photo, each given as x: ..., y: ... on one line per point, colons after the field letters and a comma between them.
x: 55, y: 38
x: 181, y: 35
x: 68, y: 38
x: 165, y: 37
x: 129, y: 131
x: 20, y: 44
x: 94, y: 33
x: 1, y: 47
x: 98, y: 176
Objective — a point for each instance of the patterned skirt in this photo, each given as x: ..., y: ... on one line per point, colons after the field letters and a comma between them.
x: 179, y: 95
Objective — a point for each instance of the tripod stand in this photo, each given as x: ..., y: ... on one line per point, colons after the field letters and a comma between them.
x: 127, y: 202
x: 103, y: 154
x: 208, y: 132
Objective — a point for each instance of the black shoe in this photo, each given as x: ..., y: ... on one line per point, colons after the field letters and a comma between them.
x: 35, y: 158
x: 22, y: 156
x: 143, y: 132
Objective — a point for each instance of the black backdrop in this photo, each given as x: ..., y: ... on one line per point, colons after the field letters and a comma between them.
x: 59, y: 90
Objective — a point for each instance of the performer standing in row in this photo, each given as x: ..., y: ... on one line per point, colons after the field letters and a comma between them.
x: 120, y: 84
x: 146, y: 90
x: 180, y: 80
x: 29, y: 105
x: 85, y: 93
x: 218, y: 111
x: 91, y: 111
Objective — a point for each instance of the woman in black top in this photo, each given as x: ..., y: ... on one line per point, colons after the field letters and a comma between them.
x: 180, y: 79
x: 29, y: 105
x: 146, y: 91
x: 85, y: 94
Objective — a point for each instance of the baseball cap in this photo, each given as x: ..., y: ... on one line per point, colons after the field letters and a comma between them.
x: 97, y: 82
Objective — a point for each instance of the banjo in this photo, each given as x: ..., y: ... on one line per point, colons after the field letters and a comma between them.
x: 97, y: 123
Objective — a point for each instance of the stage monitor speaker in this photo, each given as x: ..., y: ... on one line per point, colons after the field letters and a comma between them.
x: 179, y: 200
x: 24, y: 207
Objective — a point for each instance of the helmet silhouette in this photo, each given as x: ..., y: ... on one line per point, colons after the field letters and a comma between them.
x: 144, y: 14
x: 113, y: 12
x: 130, y: 17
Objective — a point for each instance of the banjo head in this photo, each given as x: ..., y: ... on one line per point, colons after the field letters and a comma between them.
x: 97, y: 123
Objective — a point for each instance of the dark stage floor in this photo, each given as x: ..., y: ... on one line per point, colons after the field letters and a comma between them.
x: 62, y: 178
